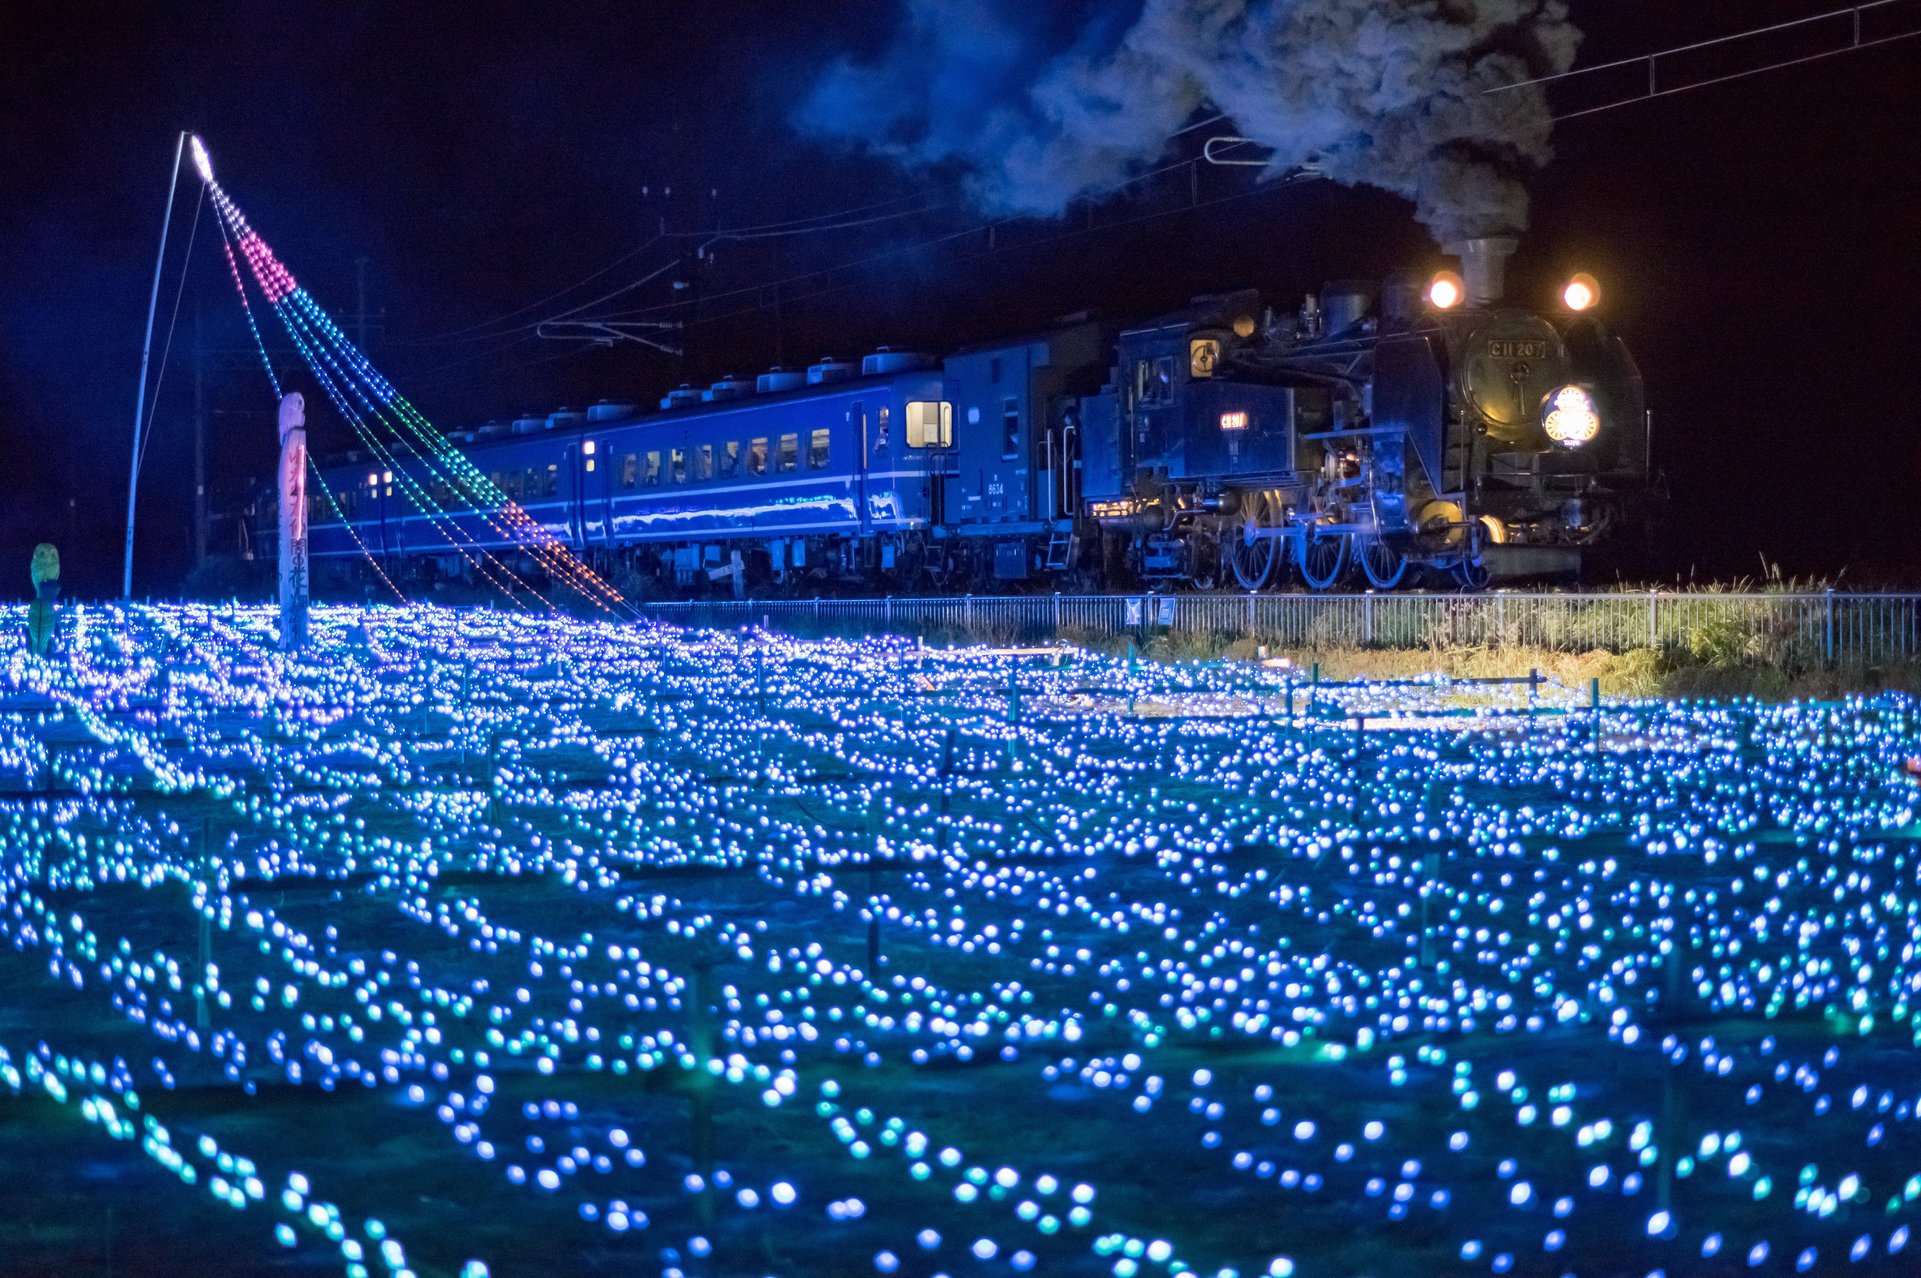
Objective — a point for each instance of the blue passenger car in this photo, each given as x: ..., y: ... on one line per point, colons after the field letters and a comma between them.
x: 825, y: 472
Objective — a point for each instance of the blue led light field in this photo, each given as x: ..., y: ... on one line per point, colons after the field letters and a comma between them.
x: 470, y: 943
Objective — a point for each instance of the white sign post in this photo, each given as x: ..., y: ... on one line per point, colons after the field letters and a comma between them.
x: 293, y: 522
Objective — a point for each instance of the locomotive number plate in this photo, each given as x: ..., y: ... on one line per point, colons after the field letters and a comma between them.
x: 1514, y: 348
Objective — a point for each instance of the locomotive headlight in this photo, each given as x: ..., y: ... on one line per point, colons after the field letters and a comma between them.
x: 1571, y: 419
x: 1582, y: 292
x: 1445, y: 291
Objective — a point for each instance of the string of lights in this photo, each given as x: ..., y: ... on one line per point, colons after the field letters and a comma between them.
x: 497, y: 574
x: 369, y: 403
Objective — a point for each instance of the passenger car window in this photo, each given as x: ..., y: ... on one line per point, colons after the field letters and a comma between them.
x: 817, y: 449
x: 757, y: 456
x: 789, y: 452
x: 930, y: 424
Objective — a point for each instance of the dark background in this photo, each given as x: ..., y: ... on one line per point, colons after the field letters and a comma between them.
x: 1759, y: 243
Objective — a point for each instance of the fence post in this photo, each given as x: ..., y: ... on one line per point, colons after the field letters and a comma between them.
x: 970, y: 616
x: 1828, y: 604
x: 1500, y: 621
x: 1654, y: 640
x: 1057, y: 614
x: 1367, y: 620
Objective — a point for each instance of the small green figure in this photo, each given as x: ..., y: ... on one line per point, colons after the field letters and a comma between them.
x: 46, y: 589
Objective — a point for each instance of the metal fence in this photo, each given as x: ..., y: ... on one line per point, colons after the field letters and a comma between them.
x: 1828, y: 627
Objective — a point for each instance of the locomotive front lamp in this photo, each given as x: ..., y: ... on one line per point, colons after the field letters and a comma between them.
x: 1445, y: 291
x: 1582, y: 292
x: 1571, y: 419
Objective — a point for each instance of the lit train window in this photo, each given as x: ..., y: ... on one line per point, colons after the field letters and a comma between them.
x: 930, y: 424
x: 789, y: 452
x: 817, y: 449
x: 704, y: 462
x: 550, y: 482
x: 630, y: 470
x: 652, y: 475
x: 679, y: 467
x: 1010, y: 429
x: 729, y: 458
x: 757, y: 456
x: 516, y: 485
x: 880, y: 430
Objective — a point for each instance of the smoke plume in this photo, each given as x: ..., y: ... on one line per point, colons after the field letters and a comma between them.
x: 1037, y: 111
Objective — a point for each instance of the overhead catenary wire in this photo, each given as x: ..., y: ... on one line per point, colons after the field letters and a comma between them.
x: 1071, y: 233
x: 522, y: 310
x: 1852, y: 10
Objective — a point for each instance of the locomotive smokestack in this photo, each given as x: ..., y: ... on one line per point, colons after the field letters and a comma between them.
x: 1483, y: 266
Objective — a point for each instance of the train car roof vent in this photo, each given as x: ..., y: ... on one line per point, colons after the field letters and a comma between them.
x: 728, y: 387
x: 889, y: 360
x: 680, y: 397
x: 608, y: 410
x: 778, y: 379
x: 830, y: 369
x: 529, y: 425
x: 562, y: 418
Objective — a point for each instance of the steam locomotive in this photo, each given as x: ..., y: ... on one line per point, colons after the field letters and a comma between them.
x: 1419, y: 432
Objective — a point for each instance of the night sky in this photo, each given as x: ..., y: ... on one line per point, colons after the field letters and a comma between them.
x: 1759, y: 243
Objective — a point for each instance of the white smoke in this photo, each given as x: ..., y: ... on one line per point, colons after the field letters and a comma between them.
x: 1389, y: 93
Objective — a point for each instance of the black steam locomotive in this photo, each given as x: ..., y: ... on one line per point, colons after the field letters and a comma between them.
x: 1422, y: 432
